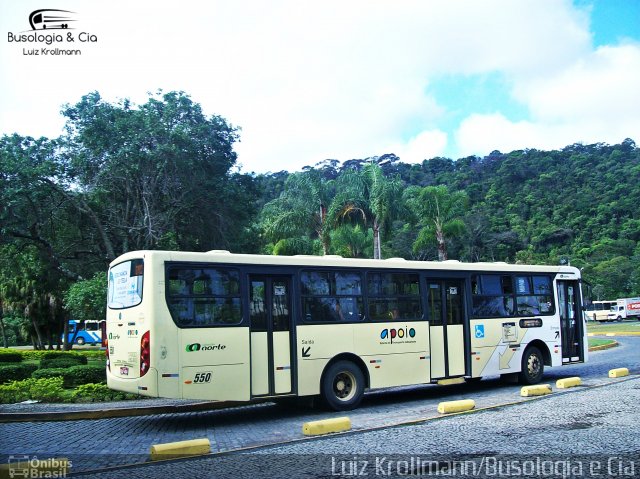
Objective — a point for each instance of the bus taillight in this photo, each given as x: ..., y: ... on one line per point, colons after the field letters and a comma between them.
x: 145, y: 353
x: 106, y: 351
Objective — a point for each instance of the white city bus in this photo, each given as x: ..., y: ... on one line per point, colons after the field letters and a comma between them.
x: 599, y: 310
x: 232, y: 327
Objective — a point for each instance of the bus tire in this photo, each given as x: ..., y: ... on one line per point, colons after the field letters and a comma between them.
x: 532, y: 367
x: 80, y: 341
x: 342, y: 386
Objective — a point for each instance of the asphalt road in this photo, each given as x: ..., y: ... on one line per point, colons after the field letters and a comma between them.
x: 96, y: 444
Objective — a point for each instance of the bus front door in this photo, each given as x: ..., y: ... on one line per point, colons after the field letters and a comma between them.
x: 270, y: 312
x: 571, y: 321
x: 445, y: 303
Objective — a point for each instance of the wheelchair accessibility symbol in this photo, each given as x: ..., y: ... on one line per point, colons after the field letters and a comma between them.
x: 479, y: 331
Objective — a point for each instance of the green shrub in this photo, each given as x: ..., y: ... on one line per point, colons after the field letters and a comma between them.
x: 48, y: 389
x: 59, y: 355
x: 30, y: 354
x: 49, y: 373
x: 16, y: 372
x: 62, y: 362
x: 13, y: 392
x: 99, y: 392
x: 10, y: 357
x: 97, y: 354
x: 79, y: 375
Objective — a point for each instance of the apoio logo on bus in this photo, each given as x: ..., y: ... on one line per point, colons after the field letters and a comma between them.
x: 399, y: 335
x: 191, y: 348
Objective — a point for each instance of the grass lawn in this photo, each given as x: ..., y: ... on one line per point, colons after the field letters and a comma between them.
x: 599, y: 342
x: 604, y: 328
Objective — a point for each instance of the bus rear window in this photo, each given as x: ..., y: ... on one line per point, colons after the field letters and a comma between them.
x: 125, y: 284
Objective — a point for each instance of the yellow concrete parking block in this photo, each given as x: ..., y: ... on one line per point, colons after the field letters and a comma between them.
x: 568, y: 383
x: 172, y: 450
x: 537, y: 390
x: 450, y: 382
x: 326, y: 426
x: 618, y: 373
x: 462, y: 405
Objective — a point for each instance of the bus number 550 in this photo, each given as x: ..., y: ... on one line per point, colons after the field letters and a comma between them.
x: 202, y: 378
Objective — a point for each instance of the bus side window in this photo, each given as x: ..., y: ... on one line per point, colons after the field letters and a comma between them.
x: 331, y: 296
x: 204, y: 296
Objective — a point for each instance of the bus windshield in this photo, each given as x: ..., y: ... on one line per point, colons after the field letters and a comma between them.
x: 125, y: 284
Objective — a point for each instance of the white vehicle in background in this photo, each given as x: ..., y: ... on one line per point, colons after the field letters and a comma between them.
x: 625, y: 308
x: 599, y: 310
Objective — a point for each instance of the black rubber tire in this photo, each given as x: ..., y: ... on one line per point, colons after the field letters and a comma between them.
x: 342, y: 386
x: 532, y: 366
x: 80, y: 341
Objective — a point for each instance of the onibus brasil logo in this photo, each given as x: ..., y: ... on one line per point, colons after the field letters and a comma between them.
x: 51, y: 27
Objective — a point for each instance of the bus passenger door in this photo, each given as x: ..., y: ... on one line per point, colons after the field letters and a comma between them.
x: 570, y: 321
x: 270, y: 312
x: 445, y: 303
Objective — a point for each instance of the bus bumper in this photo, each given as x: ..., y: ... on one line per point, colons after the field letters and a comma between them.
x: 145, y: 386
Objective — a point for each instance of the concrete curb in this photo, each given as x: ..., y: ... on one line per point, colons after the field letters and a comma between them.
x: 113, y: 413
x: 613, y: 344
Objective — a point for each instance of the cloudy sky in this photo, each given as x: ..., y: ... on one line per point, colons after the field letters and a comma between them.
x: 311, y: 80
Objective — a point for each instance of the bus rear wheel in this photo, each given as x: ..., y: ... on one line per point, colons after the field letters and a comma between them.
x: 532, y: 367
x: 343, y: 386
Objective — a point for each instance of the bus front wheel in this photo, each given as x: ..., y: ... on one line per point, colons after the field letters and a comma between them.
x: 80, y: 341
x: 532, y: 367
x: 343, y: 386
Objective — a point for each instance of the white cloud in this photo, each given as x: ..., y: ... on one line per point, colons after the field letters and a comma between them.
x: 425, y: 145
x: 308, y: 80
x: 593, y: 99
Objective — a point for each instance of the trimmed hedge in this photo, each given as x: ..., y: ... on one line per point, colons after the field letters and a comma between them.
x: 59, y: 354
x: 49, y: 373
x: 10, y: 357
x: 30, y: 354
x: 74, y: 376
x: 62, y: 362
x: 79, y: 375
x: 16, y: 372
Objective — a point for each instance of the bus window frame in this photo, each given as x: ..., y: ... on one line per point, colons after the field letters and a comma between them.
x: 300, y: 299
x: 242, y: 275
x: 514, y: 294
x: 141, y: 288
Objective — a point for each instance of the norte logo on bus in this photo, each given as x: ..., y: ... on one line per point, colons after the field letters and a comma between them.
x: 391, y: 334
x: 204, y: 347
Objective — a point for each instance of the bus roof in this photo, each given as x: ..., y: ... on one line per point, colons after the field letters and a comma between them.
x: 221, y: 256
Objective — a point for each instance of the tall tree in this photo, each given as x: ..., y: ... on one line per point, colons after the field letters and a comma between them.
x: 300, y: 211
x: 158, y: 174
x: 439, y: 213
x: 370, y: 198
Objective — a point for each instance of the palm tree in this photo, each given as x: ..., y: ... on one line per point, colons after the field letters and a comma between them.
x: 439, y: 212
x: 300, y: 211
x: 370, y: 198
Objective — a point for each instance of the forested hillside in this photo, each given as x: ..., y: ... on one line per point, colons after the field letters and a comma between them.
x: 578, y: 205
x: 163, y: 176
